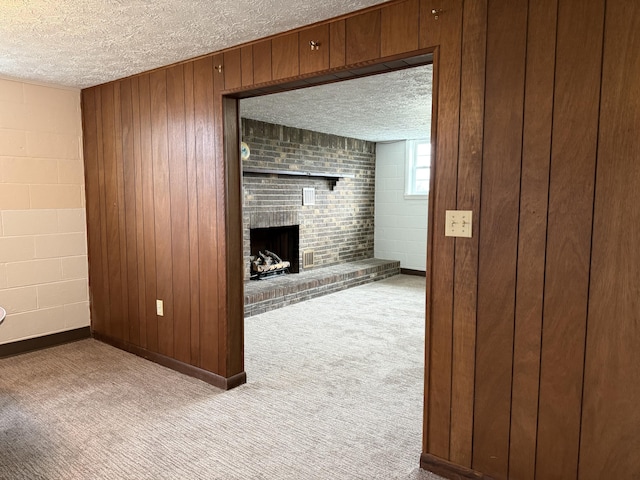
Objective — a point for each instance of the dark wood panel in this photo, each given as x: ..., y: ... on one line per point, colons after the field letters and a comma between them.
x: 338, y: 44
x: 207, y: 208
x: 151, y: 319
x: 192, y: 189
x: 610, y: 418
x: 314, y: 60
x: 139, y: 206
x: 474, y: 32
x: 504, y: 98
x: 246, y: 58
x: 129, y: 207
x: 99, y: 291
x: 262, y: 62
x: 179, y: 210
x: 363, y: 37
x: 285, y: 60
x: 430, y: 30
x: 538, y: 109
x: 232, y: 68
x: 162, y: 208
x: 574, y: 140
x: 440, y: 289
x: 116, y: 326
x: 399, y: 28
x: 447, y: 469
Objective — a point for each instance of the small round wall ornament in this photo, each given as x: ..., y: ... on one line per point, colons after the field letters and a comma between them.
x: 244, y: 151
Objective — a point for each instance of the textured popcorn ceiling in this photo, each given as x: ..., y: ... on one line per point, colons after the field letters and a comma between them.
x: 384, y: 107
x: 80, y: 43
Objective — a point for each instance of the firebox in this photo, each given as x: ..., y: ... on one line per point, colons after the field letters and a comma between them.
x: 283, y: 241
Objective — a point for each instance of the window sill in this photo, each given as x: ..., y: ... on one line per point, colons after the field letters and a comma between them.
x: 408, y: 196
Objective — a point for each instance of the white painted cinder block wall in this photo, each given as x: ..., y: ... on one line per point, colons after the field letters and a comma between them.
x: 43, y: 246
x: 400, y: 223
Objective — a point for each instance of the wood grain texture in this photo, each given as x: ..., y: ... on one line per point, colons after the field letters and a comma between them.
x: 534, y: 190
x: 610, y: 416
x: 207, y: 208
x: 571, y: 194
x: 430, y: 31
x: 314, y: 60
x: 246, y: 59
x: 443, y: 196
x: 363, y: 37
x: 474, y: 32
x: 338, y: 44
x: 399, y: 24
x: 262, y: 62
x: 498, y: 243
x: 179, y: 210
x: 129, y: 207
x: 232, y: 68
x: 285, y: 60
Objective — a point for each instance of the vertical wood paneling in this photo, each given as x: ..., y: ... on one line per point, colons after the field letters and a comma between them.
x: 246, y: 59
x: 466, y: 250
x: 363, y: 37
x: 207, y: 208
x: 399, y: 28
x: 534, y: 190
x: 314, y: 60
x: 179, y: 214
x: 285, y: 59
x: 440, y: 313
x: 192, y: 189
x: 112, y: 215
x: 129, y: 208
x: 139, y: 206
x: 610, y: 418
x: 338, y: 44
x: 429, y: 26
x: 262, y: 62
x: 99, y: 291
x: 571, y: 189
x: 504, y: 98
x: 162, y: 205
x: 232, y: 68
x: 151, y: 293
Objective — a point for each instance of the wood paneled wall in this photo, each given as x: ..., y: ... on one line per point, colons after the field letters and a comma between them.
x: 532, y: 325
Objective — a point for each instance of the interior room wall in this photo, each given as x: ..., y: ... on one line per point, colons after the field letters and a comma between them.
x: 400, y: 223
x: 43, y: 248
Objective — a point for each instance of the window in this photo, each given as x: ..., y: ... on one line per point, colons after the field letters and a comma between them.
x: 418, y: 168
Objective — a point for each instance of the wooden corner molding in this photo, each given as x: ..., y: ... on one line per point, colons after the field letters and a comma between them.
x: 206, y: 376
x: 449, y: 470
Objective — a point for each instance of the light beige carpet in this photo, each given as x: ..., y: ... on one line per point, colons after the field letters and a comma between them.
x: 334, y: 392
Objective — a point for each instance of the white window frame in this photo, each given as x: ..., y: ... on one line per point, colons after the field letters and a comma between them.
x: 410, y: 169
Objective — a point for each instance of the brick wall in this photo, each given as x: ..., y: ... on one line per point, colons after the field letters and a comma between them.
x: 340, y: 226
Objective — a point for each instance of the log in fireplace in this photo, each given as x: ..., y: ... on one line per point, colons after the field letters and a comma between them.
x: 272, y: 248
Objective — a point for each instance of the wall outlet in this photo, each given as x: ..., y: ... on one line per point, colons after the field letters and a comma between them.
x: 160, y: 308
x: 458, y: 223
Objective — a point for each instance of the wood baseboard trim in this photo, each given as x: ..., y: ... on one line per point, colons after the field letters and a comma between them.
x: 184, y: 368
x: 449, y: 470
x: 46, y: 341
x: 409, y: 271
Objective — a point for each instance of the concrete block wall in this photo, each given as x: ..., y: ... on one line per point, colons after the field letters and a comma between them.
x: 401, y: 223
x: 43, y: 247
x: 340, y: 226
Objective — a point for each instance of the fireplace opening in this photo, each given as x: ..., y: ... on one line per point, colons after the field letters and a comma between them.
x: 281, y: 241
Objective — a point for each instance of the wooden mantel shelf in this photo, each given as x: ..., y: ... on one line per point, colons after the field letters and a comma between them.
x: 297, y: 173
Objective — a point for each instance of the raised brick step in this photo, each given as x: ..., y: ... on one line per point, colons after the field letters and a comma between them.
x: 263, y: 295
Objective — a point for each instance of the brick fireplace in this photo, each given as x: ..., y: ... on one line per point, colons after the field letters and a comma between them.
x: 337, y: 226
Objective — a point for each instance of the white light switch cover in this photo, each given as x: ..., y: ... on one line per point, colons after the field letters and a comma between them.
x: 458, y: 223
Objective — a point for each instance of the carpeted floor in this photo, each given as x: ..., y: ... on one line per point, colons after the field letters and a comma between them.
x: 334, y: 392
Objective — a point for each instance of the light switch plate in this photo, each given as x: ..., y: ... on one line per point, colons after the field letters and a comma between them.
x: 160, y: 308
x: 458, y: 223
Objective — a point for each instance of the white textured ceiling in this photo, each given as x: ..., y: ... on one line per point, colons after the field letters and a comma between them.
x: 383, y: 107
x: 81, y: 43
